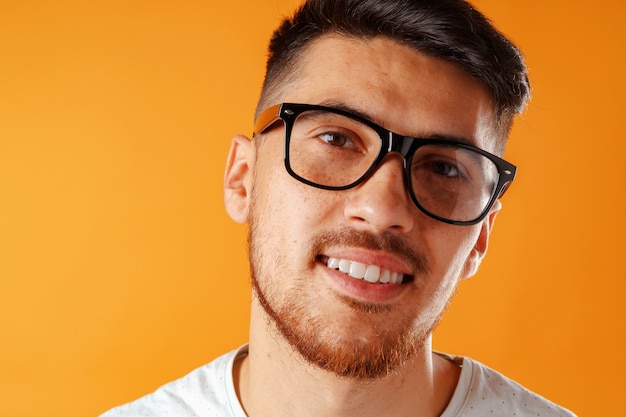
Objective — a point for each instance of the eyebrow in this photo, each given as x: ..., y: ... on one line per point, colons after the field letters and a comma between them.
x: 451, y: 138
x: 438, y: 136
x: 344, y: 107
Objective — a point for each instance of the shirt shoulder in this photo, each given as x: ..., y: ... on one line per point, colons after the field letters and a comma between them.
x: 207, y: 391
x: 482, y: 391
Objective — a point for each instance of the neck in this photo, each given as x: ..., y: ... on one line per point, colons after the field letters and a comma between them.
x: 274, y: 380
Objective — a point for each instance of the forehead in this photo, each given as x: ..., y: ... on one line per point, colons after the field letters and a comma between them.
x: 395, y: 86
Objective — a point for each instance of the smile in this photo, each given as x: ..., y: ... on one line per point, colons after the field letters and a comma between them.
x: 373, y: 274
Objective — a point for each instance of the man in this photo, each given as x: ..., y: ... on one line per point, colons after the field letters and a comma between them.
x: 370, y: 187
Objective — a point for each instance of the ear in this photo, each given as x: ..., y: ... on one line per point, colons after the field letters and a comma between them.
x: 480, y: 248
x: 237, y: 178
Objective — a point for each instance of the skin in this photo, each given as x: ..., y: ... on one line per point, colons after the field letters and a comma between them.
x: 409, y: 93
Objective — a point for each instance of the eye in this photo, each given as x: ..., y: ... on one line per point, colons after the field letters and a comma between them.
x: 439, y: 168
x: 337, y: 139
x: 446, y: 169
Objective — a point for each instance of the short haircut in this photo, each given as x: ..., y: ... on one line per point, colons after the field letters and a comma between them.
x: 448, y: 29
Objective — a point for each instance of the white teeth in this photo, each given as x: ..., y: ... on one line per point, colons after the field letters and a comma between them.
x: 333, y: 263
x: 370, y: 273
x: 385, y: 276
x: 357, y: 270
x: 344, y: 266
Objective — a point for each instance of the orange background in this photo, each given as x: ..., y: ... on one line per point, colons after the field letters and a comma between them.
x: 120, y: 271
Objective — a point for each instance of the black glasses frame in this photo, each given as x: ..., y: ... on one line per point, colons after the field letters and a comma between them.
x: 391, y: 142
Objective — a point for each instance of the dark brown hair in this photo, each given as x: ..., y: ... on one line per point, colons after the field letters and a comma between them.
x: 449, y: 29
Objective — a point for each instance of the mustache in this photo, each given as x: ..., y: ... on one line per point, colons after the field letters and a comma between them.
x: 386, y: 242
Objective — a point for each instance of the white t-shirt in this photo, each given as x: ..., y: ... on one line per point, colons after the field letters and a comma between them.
x: 209, y: 392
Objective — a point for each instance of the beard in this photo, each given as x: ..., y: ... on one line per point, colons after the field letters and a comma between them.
x: 387, y: 336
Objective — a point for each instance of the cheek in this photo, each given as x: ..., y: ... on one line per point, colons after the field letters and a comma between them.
x: 285, y: 204
x: 284, y: 211
x: 447, y: 253
x: 449, y: 248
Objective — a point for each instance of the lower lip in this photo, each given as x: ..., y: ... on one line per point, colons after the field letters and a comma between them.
x: 364, y: 291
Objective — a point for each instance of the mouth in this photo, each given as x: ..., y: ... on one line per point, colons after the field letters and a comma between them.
x: 372, y: 274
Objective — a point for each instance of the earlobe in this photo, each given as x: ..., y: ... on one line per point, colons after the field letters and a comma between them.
x: 479, y: 250
x: 237, y: 178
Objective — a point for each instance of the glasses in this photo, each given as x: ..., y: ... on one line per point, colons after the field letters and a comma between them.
x: 334, y: 149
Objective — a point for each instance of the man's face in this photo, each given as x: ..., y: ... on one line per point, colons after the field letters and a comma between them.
x: 346, y: 325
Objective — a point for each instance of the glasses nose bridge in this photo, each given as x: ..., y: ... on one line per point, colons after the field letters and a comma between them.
x: 394, y: 143
x: 398, y: 144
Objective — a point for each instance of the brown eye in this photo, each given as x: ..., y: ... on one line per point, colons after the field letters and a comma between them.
x: 336, y: 139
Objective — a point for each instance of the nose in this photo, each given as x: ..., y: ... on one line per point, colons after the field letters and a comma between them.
x: 382, y: 202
